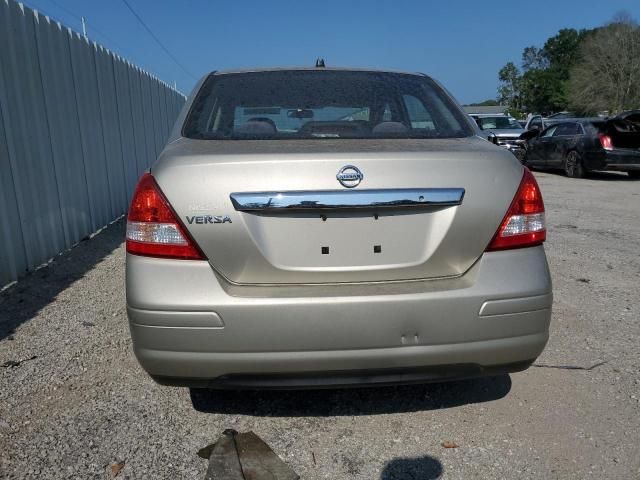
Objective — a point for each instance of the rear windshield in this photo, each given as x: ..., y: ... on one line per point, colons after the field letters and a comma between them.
x: 323, y: 104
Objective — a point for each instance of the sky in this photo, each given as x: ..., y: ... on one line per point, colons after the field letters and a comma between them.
x: 462, y: 44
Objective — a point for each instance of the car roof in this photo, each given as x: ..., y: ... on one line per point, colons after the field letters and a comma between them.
x: 298, y: 69
x: 564, y: 114
x: 628, y: 112
x: 558, y: 121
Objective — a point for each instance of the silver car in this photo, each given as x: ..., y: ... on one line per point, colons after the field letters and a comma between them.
x: 502, y: 130
x: 328, y: 227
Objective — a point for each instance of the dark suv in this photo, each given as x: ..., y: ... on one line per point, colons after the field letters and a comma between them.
x: 578, y: 146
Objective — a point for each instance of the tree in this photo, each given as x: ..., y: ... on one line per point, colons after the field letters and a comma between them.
x: 538, y: 89
x: 607, y: 78
x: 544, y: 84
x: 509, y: 89
x: 533, y: 58
x: 563, y: 50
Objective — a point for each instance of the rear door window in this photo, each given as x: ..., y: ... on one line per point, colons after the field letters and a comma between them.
x: 567, y: 129
x: 536, y: 123
x: 418, y: 114
x: 549, y: 132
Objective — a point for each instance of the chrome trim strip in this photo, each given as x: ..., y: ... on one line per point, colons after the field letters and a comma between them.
x: 346, y: 200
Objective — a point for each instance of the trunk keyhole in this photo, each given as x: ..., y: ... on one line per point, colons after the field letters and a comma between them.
x: 325, y: 250
x: 377, y: 248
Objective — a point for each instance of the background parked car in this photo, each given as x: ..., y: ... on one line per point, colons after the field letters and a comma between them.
x: 540, y: 122
x: 561, y: 115
x: 502, y: 130
x: 535, y: 122
x: 630, y: 115
x: 578, y: 146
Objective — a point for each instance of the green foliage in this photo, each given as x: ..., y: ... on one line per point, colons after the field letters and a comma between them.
x: 587, y: 71
x: 607, y: 75
x: 510, y: 82
x: 532, y: 58
x: 515, y: 113
x: 562, y: 51
x: 543, y: 87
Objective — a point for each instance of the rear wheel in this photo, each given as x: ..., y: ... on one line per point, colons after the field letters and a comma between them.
x: 635, y: 174
x: 573, y: 165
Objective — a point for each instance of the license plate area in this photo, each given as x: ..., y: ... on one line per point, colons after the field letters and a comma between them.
x: 349, y: 240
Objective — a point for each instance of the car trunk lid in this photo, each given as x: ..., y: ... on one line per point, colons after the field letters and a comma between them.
x: 226, y: 194
x: 623, y: 134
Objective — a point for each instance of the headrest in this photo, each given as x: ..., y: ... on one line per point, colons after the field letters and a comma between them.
x: 389, y: 127
x: 256, y: 127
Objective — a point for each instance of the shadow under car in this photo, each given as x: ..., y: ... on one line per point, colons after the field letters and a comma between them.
x: 351, y: 401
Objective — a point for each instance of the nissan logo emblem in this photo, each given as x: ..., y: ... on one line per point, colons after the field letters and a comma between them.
x: 349, y: 176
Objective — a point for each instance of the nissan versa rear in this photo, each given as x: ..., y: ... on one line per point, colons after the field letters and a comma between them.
x: 330, y: 227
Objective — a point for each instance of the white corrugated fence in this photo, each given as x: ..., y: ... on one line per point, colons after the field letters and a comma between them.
x: 78, y: 126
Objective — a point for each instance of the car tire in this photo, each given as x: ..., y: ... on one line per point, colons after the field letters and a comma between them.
x: 573, y: 167
x: 635, y: 174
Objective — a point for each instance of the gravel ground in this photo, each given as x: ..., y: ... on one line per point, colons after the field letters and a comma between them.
x: 78, y: 402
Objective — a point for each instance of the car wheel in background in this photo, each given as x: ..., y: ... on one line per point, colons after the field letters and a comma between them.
x: 573, y: 165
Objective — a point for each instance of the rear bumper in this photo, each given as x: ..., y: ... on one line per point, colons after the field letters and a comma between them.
x: 623, y: 160
x: 352, y: 367
x: 190, y: 328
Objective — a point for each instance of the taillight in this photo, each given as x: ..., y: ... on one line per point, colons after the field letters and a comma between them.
x: 606, y: 142
x: 524, y: 224
x: 153, y: 228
